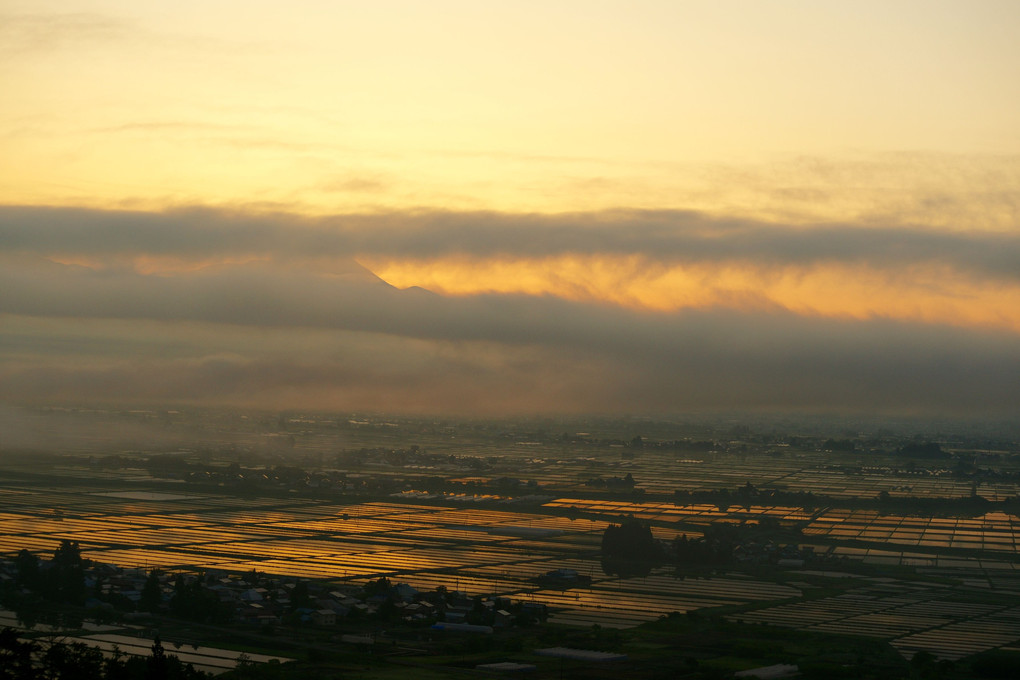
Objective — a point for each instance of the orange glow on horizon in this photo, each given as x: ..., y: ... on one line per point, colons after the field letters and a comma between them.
x: 929, y: 294
x: 156, y: 265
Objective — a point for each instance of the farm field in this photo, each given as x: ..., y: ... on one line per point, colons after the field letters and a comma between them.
x: 993, y: 531
x: 932, y: 567
x: 486, y: 549
x: 911, y: 616
x: 480, y: 551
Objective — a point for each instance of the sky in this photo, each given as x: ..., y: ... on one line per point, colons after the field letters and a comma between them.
x: 501, y: 208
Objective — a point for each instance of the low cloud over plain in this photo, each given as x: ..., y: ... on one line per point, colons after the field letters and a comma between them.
x: 212, y: 307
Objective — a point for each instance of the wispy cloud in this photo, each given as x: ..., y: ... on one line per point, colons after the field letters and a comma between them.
x: 31, y: 33
x: 672, y: 236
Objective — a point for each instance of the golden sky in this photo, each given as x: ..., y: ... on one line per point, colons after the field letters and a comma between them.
x: 326, y: 107
x: 832, y: 162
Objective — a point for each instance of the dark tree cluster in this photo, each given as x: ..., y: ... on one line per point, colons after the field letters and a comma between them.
x: 30, y: 660
x: 631, y: 539
x: 629, y: 549
x: 61, y: 580
x: 194, y: 602
x: 922, y: 450
x: 702, y: 553
x: 625, y: 482
x: 723, y: 498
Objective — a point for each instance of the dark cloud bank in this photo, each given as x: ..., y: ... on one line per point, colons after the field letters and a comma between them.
x: 668, y: 235
x: 279, y: 335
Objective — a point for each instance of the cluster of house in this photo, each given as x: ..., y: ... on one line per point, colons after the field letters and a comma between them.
x: 326, y: 606
x: 790, y: 555
x: 260, y: 600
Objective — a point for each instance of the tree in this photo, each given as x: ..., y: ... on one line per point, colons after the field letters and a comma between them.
x: 27, y: 566
x: 72, y: 662
x: 299, y: 597
x: 245, y: 667
x: 192, y: 601
x: 996, y: 663
x: 629, y: 549
x: 380, y: 586
x: 67, y: 575
x: 15, y: 656
x: 26, y: 660
x: 631, y: 539
x: 152, y: 594
x: 68, y: 555
x: 157, y: 665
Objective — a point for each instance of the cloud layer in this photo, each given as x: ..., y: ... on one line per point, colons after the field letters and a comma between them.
x: 674, y: 236
x: 272, y: 311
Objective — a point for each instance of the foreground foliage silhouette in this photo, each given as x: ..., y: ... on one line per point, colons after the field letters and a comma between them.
x: 51, y: 659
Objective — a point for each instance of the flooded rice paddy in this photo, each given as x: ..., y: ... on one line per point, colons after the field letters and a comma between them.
x: 477, y: 550
x: 486, y: 549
